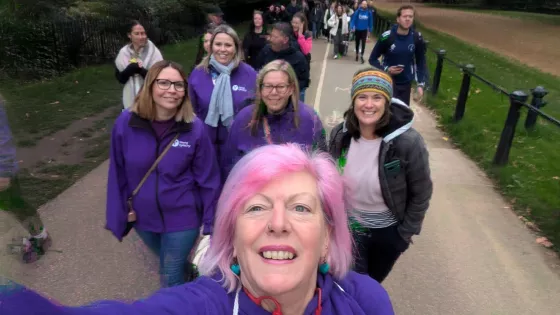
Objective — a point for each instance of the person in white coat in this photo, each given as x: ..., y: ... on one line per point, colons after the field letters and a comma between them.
x: 133, y: 62
x: 339, y: 30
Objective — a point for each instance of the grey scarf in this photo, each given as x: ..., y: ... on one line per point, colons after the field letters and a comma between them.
x: 221, y: 102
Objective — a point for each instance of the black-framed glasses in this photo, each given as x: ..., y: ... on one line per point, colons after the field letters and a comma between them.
x: 165, y: 84
x: 280, y: 88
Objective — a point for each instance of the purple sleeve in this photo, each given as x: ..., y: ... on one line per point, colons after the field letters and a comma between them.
x: 116, y: 212
x: 8, y: 163
x: 196, y: 297
x: 192, y: 94
x: 206, y: 172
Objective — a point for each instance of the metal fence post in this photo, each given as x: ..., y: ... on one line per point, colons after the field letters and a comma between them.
x: 517, y: 99
x: 439, y: 68
x: 538, y: 94
x: 464, y: 92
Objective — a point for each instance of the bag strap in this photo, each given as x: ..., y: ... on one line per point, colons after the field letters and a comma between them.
x: 153, y: 167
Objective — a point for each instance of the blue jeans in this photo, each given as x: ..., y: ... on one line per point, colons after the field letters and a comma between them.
x: 302, y: 94
x: 314, y: 29
x: 173, y: 249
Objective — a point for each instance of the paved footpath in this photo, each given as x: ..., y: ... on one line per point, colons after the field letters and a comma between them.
x: 473, y: 256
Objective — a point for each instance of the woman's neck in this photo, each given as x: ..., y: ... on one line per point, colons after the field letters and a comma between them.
x: 258, y: 29
x: 164, y: 114
x: 368, y: 132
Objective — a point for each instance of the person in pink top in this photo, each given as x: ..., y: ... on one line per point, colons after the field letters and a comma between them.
x: 303, y: 36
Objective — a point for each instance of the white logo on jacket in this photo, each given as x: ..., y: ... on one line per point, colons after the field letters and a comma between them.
x: 181, y: 144
x: 236, y: 88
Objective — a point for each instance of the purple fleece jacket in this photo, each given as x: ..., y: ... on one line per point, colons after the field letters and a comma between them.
x: 354, y: 295
x: 180, y: 193
x: 201, y: 85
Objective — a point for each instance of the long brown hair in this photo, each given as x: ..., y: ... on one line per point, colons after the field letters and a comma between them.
x: 303, y: 20
x: 144, y: 105
x: 260, y: 107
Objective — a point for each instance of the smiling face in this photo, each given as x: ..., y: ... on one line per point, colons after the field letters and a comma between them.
x: 138, y: 36
x: 281, y: 236
x: 276, y: 90
x: 223, y: 48
x: 369, y: 107
x: 297, y: 24
x: 166, y: 97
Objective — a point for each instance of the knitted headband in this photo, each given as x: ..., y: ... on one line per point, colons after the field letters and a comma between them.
x: 372, y: 81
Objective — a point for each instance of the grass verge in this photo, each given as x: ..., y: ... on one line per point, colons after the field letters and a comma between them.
x: 39, y: 109
x: 531, y: 180
x: 552, y: 19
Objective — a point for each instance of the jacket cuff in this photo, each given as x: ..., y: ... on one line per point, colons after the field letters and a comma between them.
x: 207, y: 229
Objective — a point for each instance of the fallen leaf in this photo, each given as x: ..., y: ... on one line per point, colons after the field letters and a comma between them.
x: 87, y: 92
x: 454, y: 98
x: 76, y: 82
x: 556, y: 177
x: 506, y: 207
x: 544, y: 242
x: 445, y: 138
x: 55, y: 102
x: 477, y: 91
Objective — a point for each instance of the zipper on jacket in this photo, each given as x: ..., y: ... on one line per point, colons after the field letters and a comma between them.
x: 157, y: 187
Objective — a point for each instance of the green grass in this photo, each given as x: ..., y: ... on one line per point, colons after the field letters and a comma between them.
x: 530, y: 180
x: 553, y: 19
x: 38, y: 109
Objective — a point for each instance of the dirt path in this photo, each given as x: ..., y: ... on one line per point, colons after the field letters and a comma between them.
x: 532, y: 43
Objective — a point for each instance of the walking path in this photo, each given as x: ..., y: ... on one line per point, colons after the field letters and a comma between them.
x: 530, y: 42
x: 473, y: 256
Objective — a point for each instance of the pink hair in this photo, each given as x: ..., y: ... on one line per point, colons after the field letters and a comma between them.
x: 249, y: 176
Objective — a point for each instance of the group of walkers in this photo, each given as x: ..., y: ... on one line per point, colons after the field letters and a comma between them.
x: 231, y: 150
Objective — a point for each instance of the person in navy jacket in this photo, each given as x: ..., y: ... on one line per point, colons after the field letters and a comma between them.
x: 404, y: 55
x: 180, y: 194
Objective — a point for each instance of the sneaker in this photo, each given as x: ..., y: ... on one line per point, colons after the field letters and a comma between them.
x: 336, y: 56
x: 362, y: 59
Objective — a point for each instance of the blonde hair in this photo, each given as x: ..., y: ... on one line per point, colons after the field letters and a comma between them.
x: 144, y: 105
x: 224, y: 29
x: 260, y: 107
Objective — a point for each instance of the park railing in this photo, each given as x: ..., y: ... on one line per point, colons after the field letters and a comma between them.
x: 518, y: 99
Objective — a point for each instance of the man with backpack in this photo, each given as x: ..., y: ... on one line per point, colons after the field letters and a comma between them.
x: 404, y: 55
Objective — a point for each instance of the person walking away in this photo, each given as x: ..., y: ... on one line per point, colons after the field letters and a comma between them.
x: 404, y: 55
x: 255, y: 40
x: 133, y: 62
x: 339, y: 29
x: 277, y: 116
x: 281, y: 47
x: 164, y: 178
x: 329, y: 13
x: 204, y: 45
x: 292, y: 8
x: 221, y: 84
x: 34, y: 246
x: 361, y: 24
x: 305, y: 42
x: 387, y: 167
x: 281, y: 246
x: 316, y: 16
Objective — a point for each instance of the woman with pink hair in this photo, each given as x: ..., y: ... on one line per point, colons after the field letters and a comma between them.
x: 281, y: 245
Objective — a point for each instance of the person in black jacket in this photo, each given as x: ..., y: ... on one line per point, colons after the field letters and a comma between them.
x: 276, y: 13
x: 282, y: 47
x: 215, y: 18
x: 255, y: 40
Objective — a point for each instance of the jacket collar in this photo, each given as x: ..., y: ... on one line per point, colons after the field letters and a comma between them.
x: 136, y: 121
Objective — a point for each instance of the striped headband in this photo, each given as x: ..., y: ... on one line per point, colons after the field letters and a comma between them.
x: 372, y: 81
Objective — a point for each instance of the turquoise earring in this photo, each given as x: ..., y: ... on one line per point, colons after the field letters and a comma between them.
x: 235, y: 269
x: 324, y: 268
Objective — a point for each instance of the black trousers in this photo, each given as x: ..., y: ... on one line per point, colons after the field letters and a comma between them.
x: 377, y: 251
x: 402, y: 92
x: 361, y: 38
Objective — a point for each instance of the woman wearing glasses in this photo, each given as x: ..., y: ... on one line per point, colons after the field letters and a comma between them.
x: 276, y: 117
x: 221, y: 84
x: 163, y: 178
